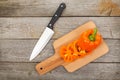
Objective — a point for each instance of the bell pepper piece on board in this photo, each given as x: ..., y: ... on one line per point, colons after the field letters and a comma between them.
x: 89, y: 40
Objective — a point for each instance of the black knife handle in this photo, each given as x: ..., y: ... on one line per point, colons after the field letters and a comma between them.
x: 56, y: 15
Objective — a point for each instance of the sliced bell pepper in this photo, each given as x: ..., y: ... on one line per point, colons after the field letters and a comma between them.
x: 87, y: 42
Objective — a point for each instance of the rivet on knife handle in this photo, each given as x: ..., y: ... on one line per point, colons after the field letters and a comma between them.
x: 56, y: 15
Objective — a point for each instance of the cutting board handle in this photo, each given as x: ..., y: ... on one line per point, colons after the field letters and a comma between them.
x: 49, y: 64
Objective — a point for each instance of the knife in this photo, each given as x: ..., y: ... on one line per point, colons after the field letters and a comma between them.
x: 48, y: 32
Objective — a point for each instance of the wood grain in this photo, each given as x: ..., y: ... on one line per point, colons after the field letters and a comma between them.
x: 25, y: 71
x: 23, y: 21
x: 32, y: 27
x: 48, y: 7
x: 20, y: 51
x: 109, y: 7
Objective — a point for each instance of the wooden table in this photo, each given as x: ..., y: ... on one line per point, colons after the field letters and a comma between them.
x: 23, y: 21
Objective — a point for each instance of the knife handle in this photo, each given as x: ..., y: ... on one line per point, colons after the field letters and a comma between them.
x: 56, y: 15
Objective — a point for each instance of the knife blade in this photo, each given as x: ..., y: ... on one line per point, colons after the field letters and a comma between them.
x: 48, y: 32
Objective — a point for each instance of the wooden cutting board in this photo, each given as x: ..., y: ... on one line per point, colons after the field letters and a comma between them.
x: 55, y: 60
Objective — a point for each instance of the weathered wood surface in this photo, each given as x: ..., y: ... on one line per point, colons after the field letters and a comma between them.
x: 26, y: 71
x: 48, y: 7
x: 20, y: 51
x: 23, y: 21
x: 29, y: 27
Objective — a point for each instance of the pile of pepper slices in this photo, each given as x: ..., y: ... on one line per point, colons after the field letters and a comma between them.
x: 81, y: 47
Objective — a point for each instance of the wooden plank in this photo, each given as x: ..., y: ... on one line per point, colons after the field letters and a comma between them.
x: 48, y: 7
x: 32, y: 27
x: 20, y: 51
x: 26, y: 71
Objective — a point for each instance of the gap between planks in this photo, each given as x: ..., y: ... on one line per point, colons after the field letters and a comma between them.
x: 41, y: 61
x: 51, y: 39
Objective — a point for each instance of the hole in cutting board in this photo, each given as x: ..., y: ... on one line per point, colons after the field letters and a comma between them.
x: 41, y: 68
